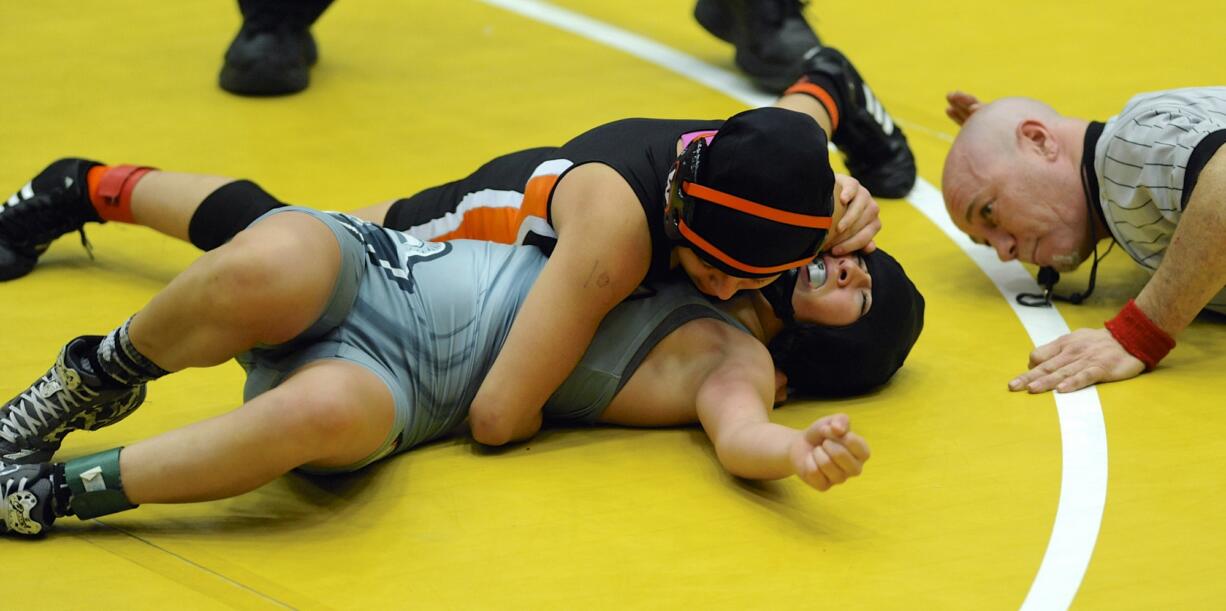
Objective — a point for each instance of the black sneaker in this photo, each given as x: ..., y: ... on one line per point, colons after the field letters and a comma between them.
x: 54, y: 203
x: 26, y: 499
x: 70, y: 397
x: 269, y: 60
x: 873, y: 146
x: 770, y: 36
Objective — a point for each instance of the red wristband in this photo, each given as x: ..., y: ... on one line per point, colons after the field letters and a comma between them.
x: 1139, y: 335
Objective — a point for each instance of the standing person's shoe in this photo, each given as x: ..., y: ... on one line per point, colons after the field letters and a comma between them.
x: 770, y: 36
x: 70, y: 396
x: 273, y: 60
x: 52, y: 204
x: 26, y: 499
x: 874, y: 147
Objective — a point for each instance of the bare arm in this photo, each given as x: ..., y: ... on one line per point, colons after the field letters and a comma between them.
x: 1193, y: 270
x: 732, y: 404
x: 602, y: 254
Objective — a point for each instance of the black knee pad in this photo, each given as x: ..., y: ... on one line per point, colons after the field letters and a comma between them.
x: 227, y: 211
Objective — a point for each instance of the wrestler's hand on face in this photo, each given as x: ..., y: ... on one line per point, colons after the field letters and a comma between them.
x: 961, y: 106
x: 1077, y: 360
x: 828, y: 453
x: 860, y: 220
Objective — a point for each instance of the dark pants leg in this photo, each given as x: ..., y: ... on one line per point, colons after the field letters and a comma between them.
x: 298, y: 13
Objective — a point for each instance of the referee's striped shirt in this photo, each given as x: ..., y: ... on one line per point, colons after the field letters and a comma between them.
x: 1147, y: 160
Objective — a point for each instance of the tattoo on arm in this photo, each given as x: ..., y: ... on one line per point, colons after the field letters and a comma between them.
x: 601, y: 278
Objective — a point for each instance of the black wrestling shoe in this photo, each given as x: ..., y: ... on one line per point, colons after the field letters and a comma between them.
x: 269, y: 60
x: 770, y: 36
x: 54, y: 203
x: 26, y: 499
x: 70, y: 396
x: 873, y: 146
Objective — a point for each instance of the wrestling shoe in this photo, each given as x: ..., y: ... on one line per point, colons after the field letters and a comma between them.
x: 269, y: 60
x: 873, y: 146
x: 26, y: 499
x: 71, y: 396
x: 52, y: 204
x: 770, y: 36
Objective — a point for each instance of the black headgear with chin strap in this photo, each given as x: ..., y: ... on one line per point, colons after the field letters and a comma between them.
x: 853, y: 359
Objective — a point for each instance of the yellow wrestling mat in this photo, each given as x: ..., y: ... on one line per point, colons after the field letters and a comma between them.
x: 962, y: 505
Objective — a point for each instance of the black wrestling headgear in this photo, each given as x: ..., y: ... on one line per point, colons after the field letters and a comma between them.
x: 758, y: 199
x: 841, y: 361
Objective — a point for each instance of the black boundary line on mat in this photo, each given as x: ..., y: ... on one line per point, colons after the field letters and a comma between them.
x: 197, y: 565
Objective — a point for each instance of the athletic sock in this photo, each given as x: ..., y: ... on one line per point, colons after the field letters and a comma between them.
x: 823, y: 89
x: 122, y: 362
x: 110, y: 190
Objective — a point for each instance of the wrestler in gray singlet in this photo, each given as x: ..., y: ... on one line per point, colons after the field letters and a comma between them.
x: 429, y: 318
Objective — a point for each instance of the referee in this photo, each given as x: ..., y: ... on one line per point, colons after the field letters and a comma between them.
x: 1044, y: 189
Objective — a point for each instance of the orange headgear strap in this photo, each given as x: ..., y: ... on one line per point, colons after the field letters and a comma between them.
x: 754, y: 209
x: 696, y: 240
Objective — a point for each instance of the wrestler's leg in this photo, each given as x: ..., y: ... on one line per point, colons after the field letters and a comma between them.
x: 874, y: 147
x: 70, y: 193
x: 808, y: 105
x: 376, y: 214
x: 266, y: 286
x: 328, y: 414
x: 166, y: 201
x: 204, y: 210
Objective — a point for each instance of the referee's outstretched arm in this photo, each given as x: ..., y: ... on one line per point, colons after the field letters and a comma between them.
x: 1192, y: 271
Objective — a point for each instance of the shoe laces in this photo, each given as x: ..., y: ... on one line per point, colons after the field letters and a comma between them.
x: 89, y: 248
x: 43, y: 406
x: 36, y: 221
x: 13, y: 484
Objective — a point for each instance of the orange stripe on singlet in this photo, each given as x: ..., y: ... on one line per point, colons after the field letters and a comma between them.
x: 488, y: 224
x: 536, y: 199
x: 502, y: 224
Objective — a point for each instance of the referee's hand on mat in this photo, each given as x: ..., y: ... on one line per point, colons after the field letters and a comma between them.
x: 1077, y: 360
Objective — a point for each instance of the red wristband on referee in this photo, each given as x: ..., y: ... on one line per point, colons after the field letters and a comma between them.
x: 1139, y: 335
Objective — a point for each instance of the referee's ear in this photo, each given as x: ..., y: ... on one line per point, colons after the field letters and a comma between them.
x: 1033, y: 136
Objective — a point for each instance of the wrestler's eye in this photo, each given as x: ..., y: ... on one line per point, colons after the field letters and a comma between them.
x: 986, y: 213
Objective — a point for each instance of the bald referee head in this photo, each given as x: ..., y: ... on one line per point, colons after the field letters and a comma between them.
x: 1043, y: 188
x: 1012, y: 181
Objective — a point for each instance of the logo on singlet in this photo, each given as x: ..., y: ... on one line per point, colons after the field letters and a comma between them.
x: 394, y: 252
